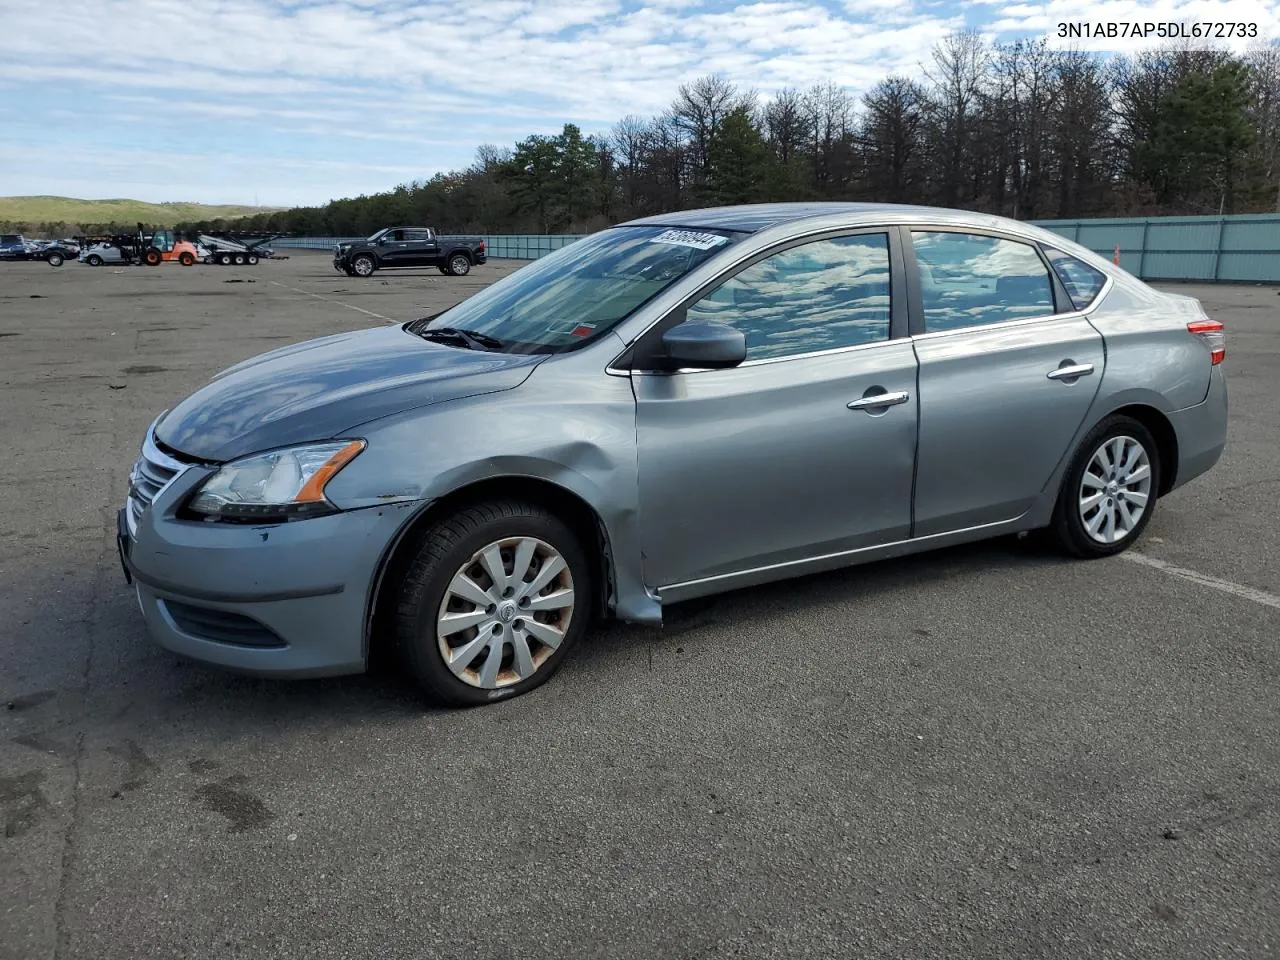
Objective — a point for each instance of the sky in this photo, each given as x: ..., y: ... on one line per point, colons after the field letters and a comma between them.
x: 294, y: 102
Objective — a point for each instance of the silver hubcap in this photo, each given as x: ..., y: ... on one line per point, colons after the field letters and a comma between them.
x: 505, y: 612
x: 460, y: 265
x: 1115, y: 489
x: 364, y: 266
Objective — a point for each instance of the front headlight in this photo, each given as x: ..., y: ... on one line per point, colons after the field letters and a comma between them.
x: 277, y: 486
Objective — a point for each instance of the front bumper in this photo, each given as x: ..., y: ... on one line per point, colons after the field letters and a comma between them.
x: 286, y: 600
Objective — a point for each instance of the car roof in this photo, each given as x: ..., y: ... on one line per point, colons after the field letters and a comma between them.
x: 754, y: 217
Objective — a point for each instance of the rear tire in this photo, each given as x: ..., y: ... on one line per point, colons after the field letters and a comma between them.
x: 239, y: 258
x: 55, y: 259
x: 94, y: 260
x: 251, y: 259
x: 517, y: 636
x: 1109, y: 492
x: 186, y: 259
x: 459, y: 265
x: 152, y: 258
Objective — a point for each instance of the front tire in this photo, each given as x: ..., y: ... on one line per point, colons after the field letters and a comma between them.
x: 494, y: 600
x: 1109, y: 492
x: 187, y: 259
x: 152, y: 258
x: 363, y: 265
x: 94, y: 260
x: 55, y: 259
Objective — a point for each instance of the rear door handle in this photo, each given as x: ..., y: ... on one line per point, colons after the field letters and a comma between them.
x: 876, y: 400
x: 1071, y: 371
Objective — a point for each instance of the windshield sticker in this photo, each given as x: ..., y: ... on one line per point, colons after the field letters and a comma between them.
x: 572, y: 328
x: 690, y: 238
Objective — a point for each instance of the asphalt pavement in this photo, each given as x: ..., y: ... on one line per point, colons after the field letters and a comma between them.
x: 984, y: 752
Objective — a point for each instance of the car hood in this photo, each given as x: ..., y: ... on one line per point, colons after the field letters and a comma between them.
x: 318, y: 389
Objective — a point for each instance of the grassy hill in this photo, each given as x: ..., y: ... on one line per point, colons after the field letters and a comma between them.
x: 69, y: 210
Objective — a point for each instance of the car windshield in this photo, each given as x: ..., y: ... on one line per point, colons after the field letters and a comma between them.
x: 377, y: 235
x: 583, y: 290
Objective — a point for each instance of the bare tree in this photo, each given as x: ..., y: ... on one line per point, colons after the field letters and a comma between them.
x: 829, y: 109
x: 957, y: 77
x: 1263, y: 63
x: 629, y: 142
x: 890, y: 138
x: 699, y: 109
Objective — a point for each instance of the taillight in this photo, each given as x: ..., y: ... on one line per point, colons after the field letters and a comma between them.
x: 1214, y: 335
x: 481, y: 247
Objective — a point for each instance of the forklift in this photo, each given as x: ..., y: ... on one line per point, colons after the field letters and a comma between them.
x: 157, y: 246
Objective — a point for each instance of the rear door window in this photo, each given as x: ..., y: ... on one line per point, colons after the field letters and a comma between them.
x: 974, y: 280
x: 1082, y: 281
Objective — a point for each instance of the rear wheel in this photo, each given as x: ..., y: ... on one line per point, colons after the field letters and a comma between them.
x: 94, y: 260
x: 459, y: 265
x: 187, y: 259
x: 239, y: 259
x: 1110, y: 489
x: 251, y: 259
x: 363, y: 265
x: 495, y: 599
x: 55, y: 259
x: 152, y: 258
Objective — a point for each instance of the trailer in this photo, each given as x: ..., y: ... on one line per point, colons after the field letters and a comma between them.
x: 225, y: 251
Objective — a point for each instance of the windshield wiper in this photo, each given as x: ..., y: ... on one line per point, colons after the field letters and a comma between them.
x: 468, y: 338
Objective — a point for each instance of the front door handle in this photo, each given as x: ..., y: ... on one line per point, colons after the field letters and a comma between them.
x: 875, y: 400
x: 1070, y: 371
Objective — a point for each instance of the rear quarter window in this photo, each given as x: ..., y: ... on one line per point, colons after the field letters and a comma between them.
x: 1083, y: 282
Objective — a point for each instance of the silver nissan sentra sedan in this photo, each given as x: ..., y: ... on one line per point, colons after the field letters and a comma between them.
x: 671, y: 408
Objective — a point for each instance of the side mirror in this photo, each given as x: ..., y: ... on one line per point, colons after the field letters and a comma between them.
x: 704, y: 344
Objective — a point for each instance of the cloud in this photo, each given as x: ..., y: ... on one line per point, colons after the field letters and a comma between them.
x: 364, y: 84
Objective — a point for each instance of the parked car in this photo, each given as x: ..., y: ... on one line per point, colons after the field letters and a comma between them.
x: 98, y: 254
x: 14, y: 246
x: 671, y: 408
x: 394, y: 247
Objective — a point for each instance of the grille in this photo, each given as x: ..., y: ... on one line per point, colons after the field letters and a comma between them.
x: 221, y: 626
x: 153, y: 471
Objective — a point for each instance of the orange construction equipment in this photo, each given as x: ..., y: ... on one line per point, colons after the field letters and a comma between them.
x: 161, y: 245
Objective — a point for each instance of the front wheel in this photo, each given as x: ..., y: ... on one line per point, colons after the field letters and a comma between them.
x: 55, y: 259
x: 187, y: 259
x: 1110, y: 490
x: 363, y: 265
x: 152, y: 258
x: 94, y: 260
x: 493, y: 602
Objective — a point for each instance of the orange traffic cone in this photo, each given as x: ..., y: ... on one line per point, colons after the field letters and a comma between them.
x: 1116, y: 256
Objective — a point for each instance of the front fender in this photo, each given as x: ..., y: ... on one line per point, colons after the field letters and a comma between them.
x: 580, y: 437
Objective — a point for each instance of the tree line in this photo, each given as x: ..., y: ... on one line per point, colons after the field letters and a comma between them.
x: 1016, y: 129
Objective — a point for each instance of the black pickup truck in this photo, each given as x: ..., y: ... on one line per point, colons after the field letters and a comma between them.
x: 408, y: 247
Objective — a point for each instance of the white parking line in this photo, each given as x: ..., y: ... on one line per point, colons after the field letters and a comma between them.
x: 316, y: 296
x: 1226, y: 586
